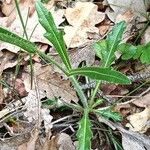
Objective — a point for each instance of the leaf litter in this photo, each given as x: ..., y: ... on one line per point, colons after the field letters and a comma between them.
x: 80, y: 30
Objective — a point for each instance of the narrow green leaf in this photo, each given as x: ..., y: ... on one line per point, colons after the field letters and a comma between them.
x: 109, y: 114
x: 84, y: 133
x: 52, y: 33
x: 106, y: 48
x: 9, y: 37
x: 101, y: 74
x: 113, y: 40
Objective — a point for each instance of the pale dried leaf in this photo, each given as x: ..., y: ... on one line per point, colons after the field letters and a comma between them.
x: 7, y: 60
x: 146, y: 36
x: 65, y: 142
x: 31, y: 144
x: 121, y: 6
x: 47, y: 118
x: 139, y: 122
x: 82, y: 19
x: 131, y: 140
x: 51, y: 144
x: 32, y: 104
x: 59, y: 142
x: 129, y: 143
x: 144, y: 101
x: 86, y: 54
x: 15, y: 26
x: 52, y: 83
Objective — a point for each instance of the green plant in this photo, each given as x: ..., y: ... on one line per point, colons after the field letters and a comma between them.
x: 130, y: 51
x: 104, y: 49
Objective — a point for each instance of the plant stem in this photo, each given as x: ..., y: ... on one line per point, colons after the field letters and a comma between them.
x: 76, y: 107
x: 94, y: 93
x: 142, y: 31
x: 72, y: 78
x: 21, y: 19
x: 79, y: 91
x: 45, y: 57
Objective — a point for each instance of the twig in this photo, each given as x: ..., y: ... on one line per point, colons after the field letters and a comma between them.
x: 64, y: 118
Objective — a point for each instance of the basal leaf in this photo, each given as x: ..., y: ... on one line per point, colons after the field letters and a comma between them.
x: 84, y: 133
x: 52, y: 33
x: 101, y: 74
x: 107, y: 49
x: 109, y: 114
x: 9, y: 37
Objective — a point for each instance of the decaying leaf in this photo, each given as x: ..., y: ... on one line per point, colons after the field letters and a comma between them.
x: 139, y: 122
x: 31, y: 144
x: 130, y: 140
x: 47, y: 118
x: 65, y: 142
x: 7, y: 60
x: 144, y: 101
x: 146, y: 36
x: 34, y: 111
x: 121, y: 6
x: 59, y: 142
x: 82, y: 19
x: 32, y: 104
x: 52, y: 83
x: 32, y: 27
x: 86, y: 54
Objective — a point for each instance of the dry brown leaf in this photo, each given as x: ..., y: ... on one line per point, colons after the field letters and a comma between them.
x: 7, y: 60
x: 139, y: 122
x: 59, y: 142
x: 146, y: 36
x: 121, y: 6
x: 130, y: 143
x: 124, y: 109
x: 130, y: 140
x: 20, y: 88
x: 104, y: 27
x: 82, y: 19
x: 52, y: 83
x: 31, y: 144
x: 32, y: 104
x: 86, y: 54
x: 51, y: 144
x: 15, y: 26
x: 144, y: 101
x: 65, y: 142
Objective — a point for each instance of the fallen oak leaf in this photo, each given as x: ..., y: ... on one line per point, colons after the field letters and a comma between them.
x: 143, y: 101
x: 82, y: 19
x: 139, y: 122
